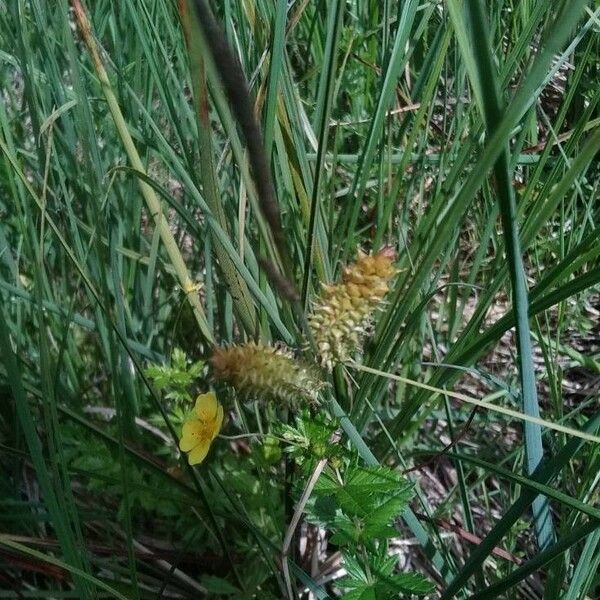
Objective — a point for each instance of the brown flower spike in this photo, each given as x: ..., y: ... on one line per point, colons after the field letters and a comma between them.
x: 344, y: 311
x: 262, y: 372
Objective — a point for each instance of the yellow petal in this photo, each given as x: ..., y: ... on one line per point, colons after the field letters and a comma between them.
x: 218, y: 422
x: 206, y: 406
x: 198, y: 454
x: 192, y: 434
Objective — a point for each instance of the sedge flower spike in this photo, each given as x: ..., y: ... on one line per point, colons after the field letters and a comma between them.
x: 344, y: 311
x: 263, y: 372
x: 201, y: 427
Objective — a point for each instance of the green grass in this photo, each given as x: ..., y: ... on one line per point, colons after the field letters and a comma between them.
x: 134, y: 221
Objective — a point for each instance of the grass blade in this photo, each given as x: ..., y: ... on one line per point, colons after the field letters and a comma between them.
x: 240, y: 294
x: 541, y: 559
x: 154, y: 205
x: 63, y: 529
x: 484, y: 79
x: 545, y: 474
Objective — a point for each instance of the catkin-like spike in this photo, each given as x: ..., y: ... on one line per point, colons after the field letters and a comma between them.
x: 344, y: 311
x: 262, y: 372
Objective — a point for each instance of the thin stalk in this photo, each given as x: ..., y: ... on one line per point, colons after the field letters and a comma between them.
x: 152, y: 202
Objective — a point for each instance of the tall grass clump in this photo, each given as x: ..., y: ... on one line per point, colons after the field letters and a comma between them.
x: 299, y: 299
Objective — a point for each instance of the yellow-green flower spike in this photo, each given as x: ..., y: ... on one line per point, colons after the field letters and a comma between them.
x: 344, y: 311
x: 262, y: 372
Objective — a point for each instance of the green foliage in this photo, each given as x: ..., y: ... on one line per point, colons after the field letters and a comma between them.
x: 103, y: 474
x: 360, y: 507
x: 311, y: 438
x: 220, y: 586
x: 177, y: 378
x: 464, y: 135
x: 370, y: 497
x: 377, y: 581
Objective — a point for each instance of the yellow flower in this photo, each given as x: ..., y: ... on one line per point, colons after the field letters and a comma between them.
x: 201, y: 427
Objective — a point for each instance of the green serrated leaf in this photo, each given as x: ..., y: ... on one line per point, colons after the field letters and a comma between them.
x: 364, y: 592
x: 378, y: 532
x: 364, y: 490
x: 346, y: 531
x: 327, y: 485
x: 322, y: 510
x: 376, y: 478
x: 410, y: 583
x: 354, y: 569
x: 355, y: 500
x: 377, y: 522
x: 390, y: 588
x: 382, y: 563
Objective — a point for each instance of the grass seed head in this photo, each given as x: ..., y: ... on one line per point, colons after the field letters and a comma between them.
x: 262, y: 372
x: 344, y: 311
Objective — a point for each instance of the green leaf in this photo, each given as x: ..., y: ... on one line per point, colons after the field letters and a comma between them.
x: 354, y: 569
x: 218, y: 585
x: 377, y: 523
x: 365, y: 488
x: 375, y: 480
x: 380, y: 582
x: 347, y: 531
x: 362, y: 592
x: 410, y: 583
x: 322, y: 510
x: 361, y: 479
